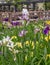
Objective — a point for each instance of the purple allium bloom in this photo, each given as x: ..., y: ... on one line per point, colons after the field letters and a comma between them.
x: 22, y: 33
x: 15, y: 23
x: 46, y: 30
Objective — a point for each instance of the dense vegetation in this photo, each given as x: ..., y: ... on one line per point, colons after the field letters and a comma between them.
x: 24, y: 45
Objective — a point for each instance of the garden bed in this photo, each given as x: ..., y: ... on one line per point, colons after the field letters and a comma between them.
x: 25, y: 45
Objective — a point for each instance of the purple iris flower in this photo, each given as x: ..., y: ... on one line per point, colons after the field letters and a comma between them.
x: 5, y: 19
x: 22, y: 33
x: 15, y: 23
x: 46, y: 30
x: 25, y: 17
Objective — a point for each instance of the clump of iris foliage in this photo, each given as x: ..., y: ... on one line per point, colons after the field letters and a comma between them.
x: 30, y: 48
